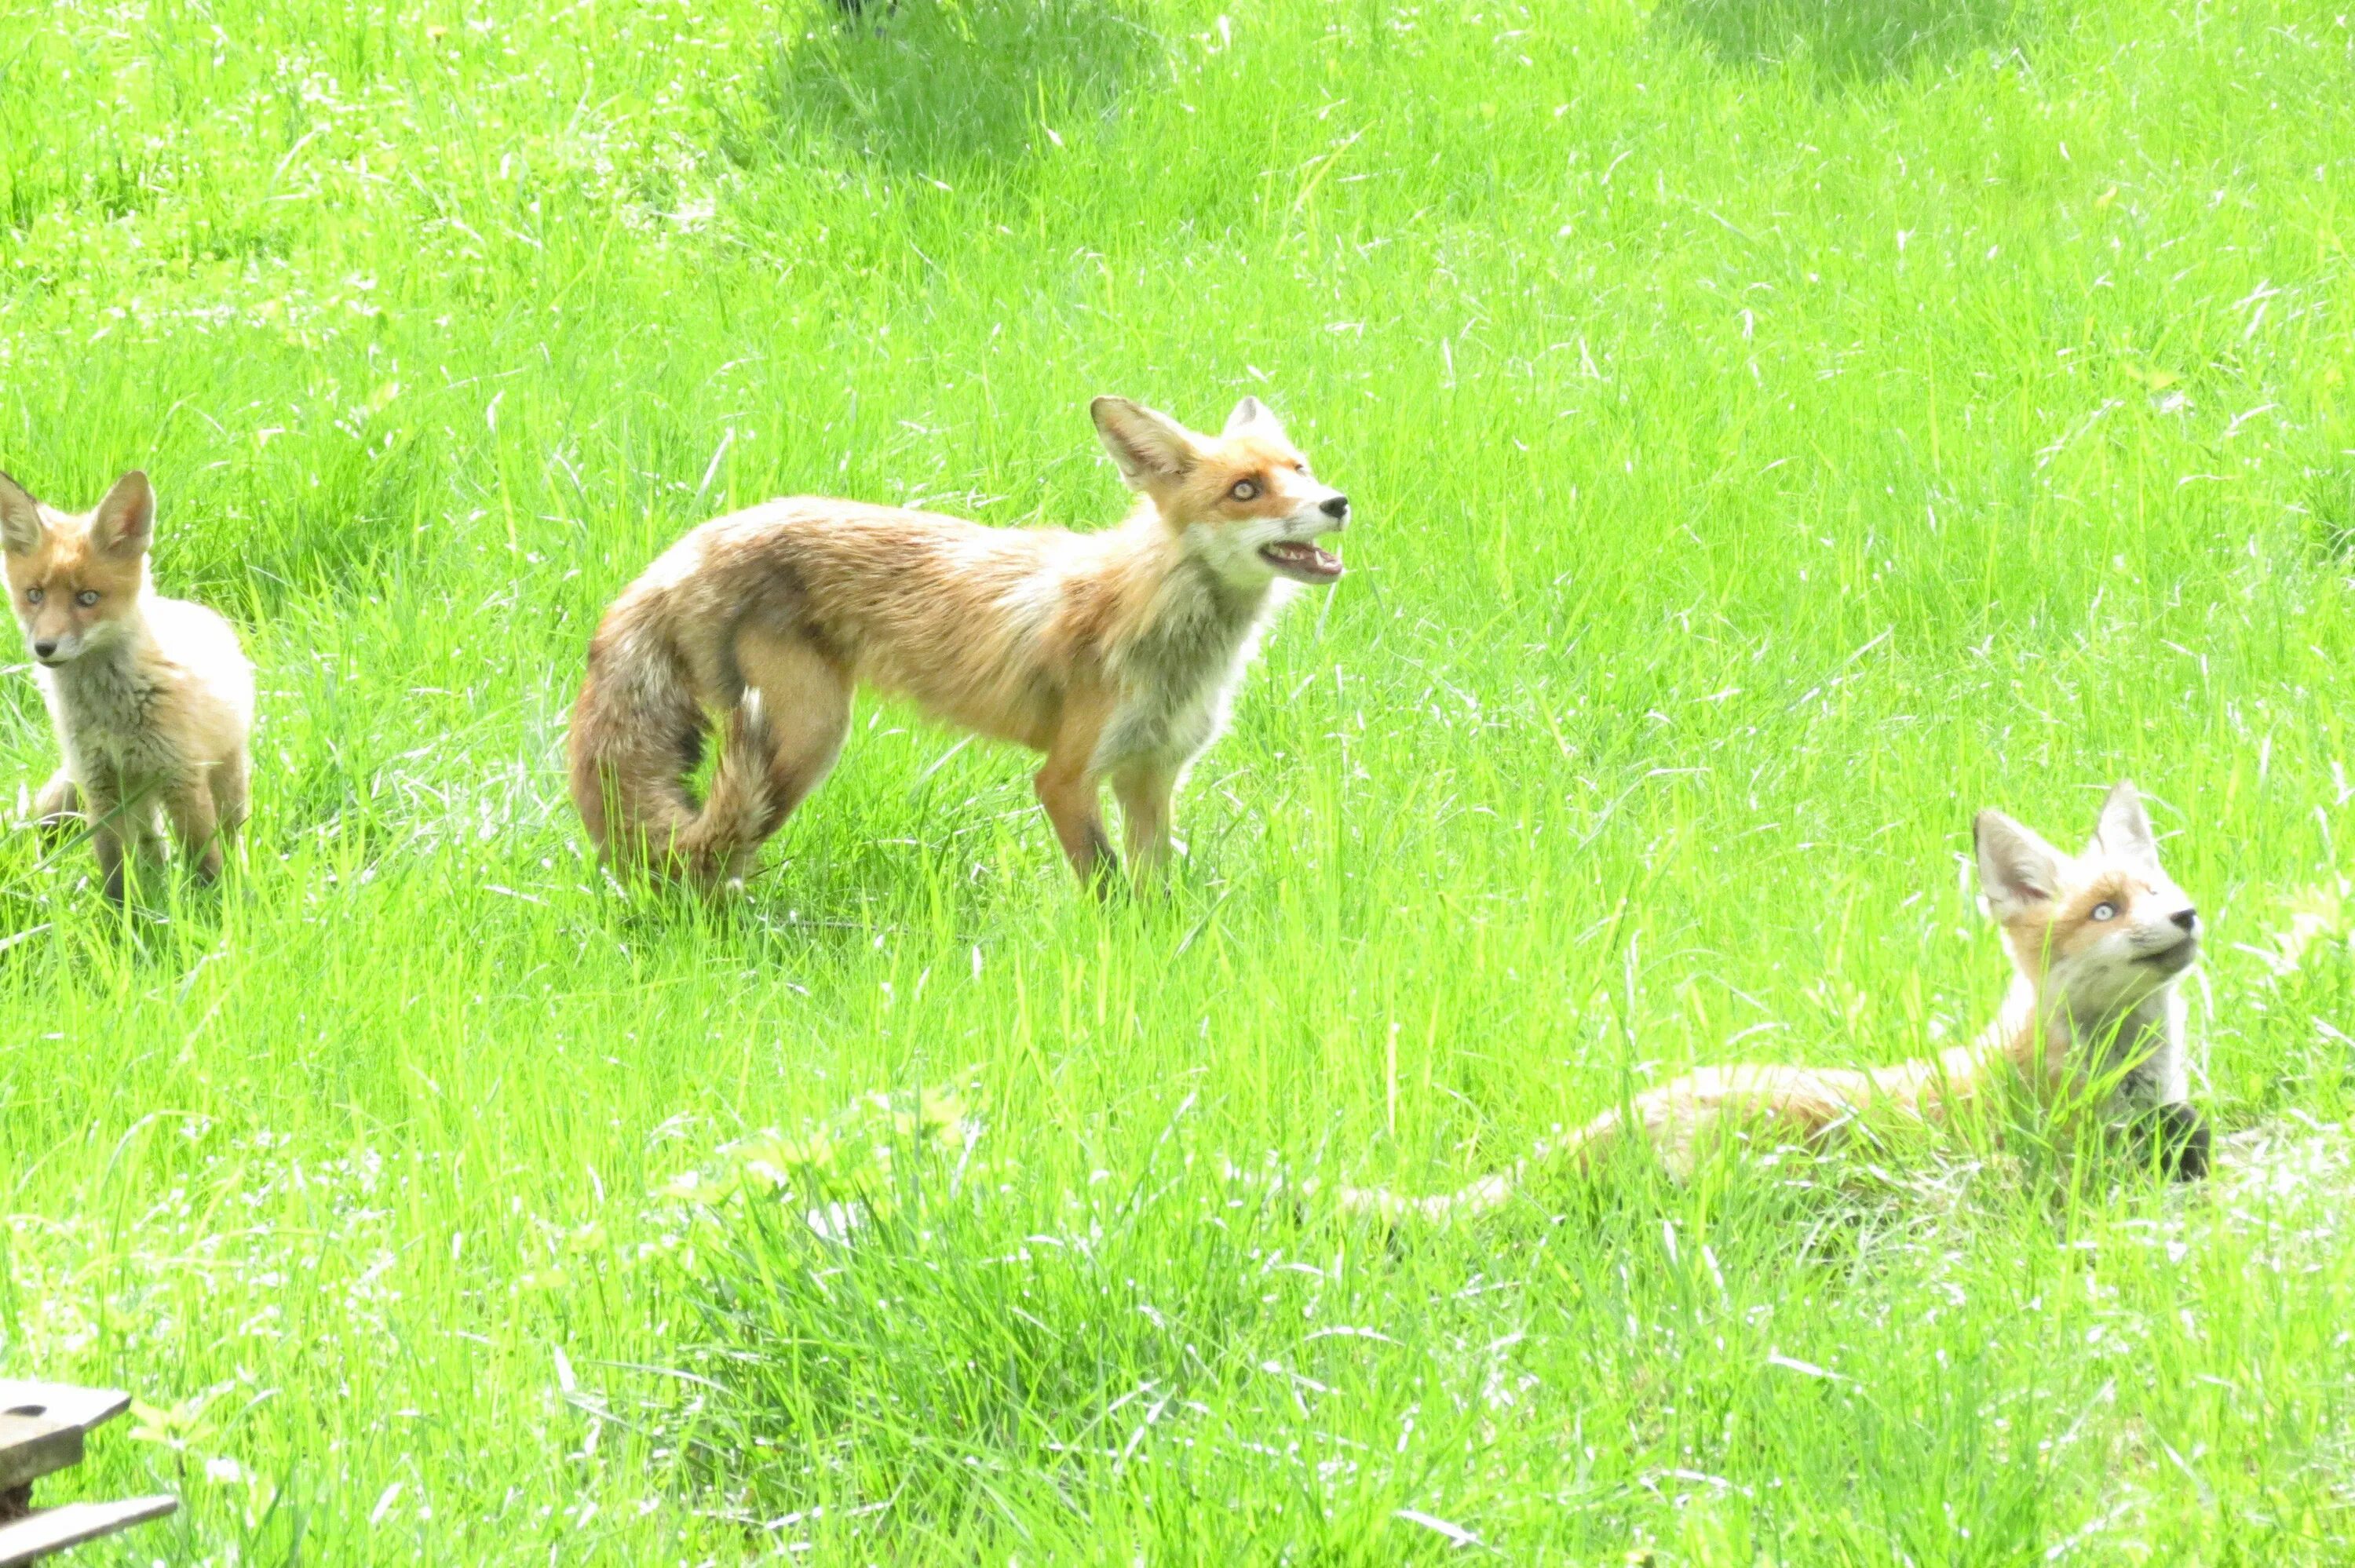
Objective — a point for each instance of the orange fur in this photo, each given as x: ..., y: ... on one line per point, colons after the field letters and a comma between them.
x: 1115, y: 653
x: 2097, y: 942
x: 152, y: 698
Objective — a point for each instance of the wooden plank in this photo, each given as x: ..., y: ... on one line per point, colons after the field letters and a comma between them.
x: 82, y: 1408
x: 31, y: 1449
x: 54, y: 1529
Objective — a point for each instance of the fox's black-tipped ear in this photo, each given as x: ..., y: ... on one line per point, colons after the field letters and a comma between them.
x: 124, y: 523
x: 20, y: 518
x: 1151, y: 449
x: 2017, y: 870
x: 1253, y: 415
x: 2123, y: 829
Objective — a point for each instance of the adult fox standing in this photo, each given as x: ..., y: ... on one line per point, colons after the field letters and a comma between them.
x: 1116, y: 653
x: 152, y: 698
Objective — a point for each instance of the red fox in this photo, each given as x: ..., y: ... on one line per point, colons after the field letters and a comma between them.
x: 2099, y: 943
x: 152, y: 698
x: 1116, y: 653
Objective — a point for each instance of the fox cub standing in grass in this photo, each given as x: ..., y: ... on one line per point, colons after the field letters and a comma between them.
x: 152, y: 698
x: 1116, y: 653
x: 2098, y: 943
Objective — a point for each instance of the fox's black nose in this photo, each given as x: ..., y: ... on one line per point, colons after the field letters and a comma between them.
x: 2188, y: 918
x: 1336, y: 508
x: 43, y: 650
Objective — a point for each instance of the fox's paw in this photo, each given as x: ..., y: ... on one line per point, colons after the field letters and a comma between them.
x: 2178, y: 1134
x: 55, y: 809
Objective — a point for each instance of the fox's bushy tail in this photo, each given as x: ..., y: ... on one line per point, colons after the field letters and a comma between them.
x: 1577, y: 1153
x: 630, y: 765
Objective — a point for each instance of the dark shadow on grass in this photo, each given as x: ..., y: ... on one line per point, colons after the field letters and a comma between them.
x: 1846, y: 41
x: 938, y: 85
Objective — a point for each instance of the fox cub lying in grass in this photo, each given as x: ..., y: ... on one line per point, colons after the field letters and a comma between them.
x: 1116, y: 653
x: 2099, y: 942
x: 152, y: 698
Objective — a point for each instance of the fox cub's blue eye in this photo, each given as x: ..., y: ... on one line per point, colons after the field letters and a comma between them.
x: 1244, y: 490
x: 87, y: 598
x: 34, y: 596
x: 2105, y: 911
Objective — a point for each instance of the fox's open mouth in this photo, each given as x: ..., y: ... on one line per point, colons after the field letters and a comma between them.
x: 1298, y: 559
x: 2178, y: 957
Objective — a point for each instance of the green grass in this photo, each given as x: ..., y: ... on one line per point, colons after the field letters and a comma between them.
x: 1776, y: 429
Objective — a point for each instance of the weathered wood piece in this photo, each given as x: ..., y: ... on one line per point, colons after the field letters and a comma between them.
x: 78, y: 1407
x: 31, y: 1447
x: 42, y: 1427
x: 36, y: 1535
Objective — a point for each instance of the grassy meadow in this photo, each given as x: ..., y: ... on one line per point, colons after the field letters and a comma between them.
x: 1778, y: 428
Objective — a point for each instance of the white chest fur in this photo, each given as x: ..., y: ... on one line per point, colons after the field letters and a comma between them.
x: 1177, y: 678
x: 110, y: 711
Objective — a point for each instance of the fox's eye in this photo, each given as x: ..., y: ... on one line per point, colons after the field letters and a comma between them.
x: 1300, y: 467
x: 35, y: 596
x: 87, y: 598
x: 1244, y: 490
x: 2105, y: 911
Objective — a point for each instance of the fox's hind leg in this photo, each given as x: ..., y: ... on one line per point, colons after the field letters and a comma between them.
x: 806, y: 696
x: 60, y: 798
x: 58, y: 808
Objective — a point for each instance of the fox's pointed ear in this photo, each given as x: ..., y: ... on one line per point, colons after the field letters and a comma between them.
x: 1250, y: 414
x: 20, y: 518
x: 2017, y: 870
x: 1151, y: 449
x: 124, y: 523
x: 2125, y: 828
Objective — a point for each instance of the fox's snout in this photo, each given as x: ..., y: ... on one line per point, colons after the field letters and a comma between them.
x: 1336, y: 507
x: 51, y: 636
x: 2178, y: 931
x: 61, y: 640
x: 2172, y: 941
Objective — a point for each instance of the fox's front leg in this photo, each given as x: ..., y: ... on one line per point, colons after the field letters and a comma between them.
x: 196, y: 822
x: 232, y: 784
x: 1072, y: 799
x: 109, y: 845
x: 1143, y: 789
x: 108, y: 837
x: 1071, y: 790
x: 120, y: 831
